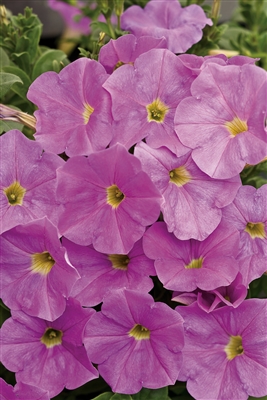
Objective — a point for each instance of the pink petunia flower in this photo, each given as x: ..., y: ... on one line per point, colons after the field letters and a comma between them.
x: 135, y: 342
x: 27, y: 181
x: 182, y: 27
x: 46, y: 354
x: 109, y: 200
x: 186, y: 265
x: 192, y: 200
x: 102, y: 273
x: 126, y: 49
x: 231, y: 296
x: 21, y: 391
x: 35, y: 274
x: 223, y: 122
x: 69, y: 13
x: 74, y: 113
x: 225, y: 353
x: 248, y: 213
x: 144, y: 99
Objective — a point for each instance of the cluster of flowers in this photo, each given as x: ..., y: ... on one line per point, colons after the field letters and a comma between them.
x: 155, y: 143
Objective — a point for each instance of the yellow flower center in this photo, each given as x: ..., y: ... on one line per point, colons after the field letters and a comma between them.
x: 180, y: 176
x: 42, y: 263
x: 120, y: 63
x: 236, y: 126
x: 255, y: 230
x: 195, y: 263
x: 52, y: 337
x: 234, y: 347
x: 114, y: 196
x: 139, y: 332
x: 156, y: 111
x: 119, y: 261
x: 88, y: 110
x: 15, y: 193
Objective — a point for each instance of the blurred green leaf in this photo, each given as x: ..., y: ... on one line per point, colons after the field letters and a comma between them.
x: 102, y: 26
x: 4, y: 59
x: 7, y: 81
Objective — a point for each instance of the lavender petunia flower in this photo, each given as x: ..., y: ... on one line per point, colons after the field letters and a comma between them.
x: 135, y: 342
x: 35, y: 275
x: 225, y: 353
x: 248, y: 213
x: 223, y: 122
x: 69, y: 13
x: 74, y: 110
x: 197, y: 64
x: 126, y: 49
x: 109, y: 200
x: 21, y: 391
x: 27, y: 181
x: 144, y: 99
x: 182, y: 27
x: 231, y: 295
x: 192, y: 200
x: 102, y: 273
x: 187, y: 265
x: 46, y: 354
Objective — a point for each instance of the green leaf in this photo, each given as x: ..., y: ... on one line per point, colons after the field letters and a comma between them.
x: 21, y: 90
x: 7, y: 81
x: 101, y: 26
x: 22, y: 60
x: 257, y: 398
x: 49, y: 61
x: 4, y: 59
x: 118, y: 396
x: 6, y: 126
x: 104, y: 396
x: 150, y: 394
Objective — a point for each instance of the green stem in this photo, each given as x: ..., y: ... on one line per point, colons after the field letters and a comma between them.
x: 111, y: 30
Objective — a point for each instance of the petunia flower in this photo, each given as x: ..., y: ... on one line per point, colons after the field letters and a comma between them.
x: 102, y: 273
x: 231, y: 296
x: 74, y: 113
x: 197, y: 63
x: 248, y: 213
x: 224, y: 119
x: 145, y: 97
x: 182, y: 27
x: 126, y: 49
x: 35, y: 274
x: 192, y: 200
x: 46, y: 354
x: 21, y: 391
x: 135, y: 342
x: 27, y: 181
x: 109, y: 200
x: 225, y: 353
x: 186, y: 265
x: 70, y: 13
